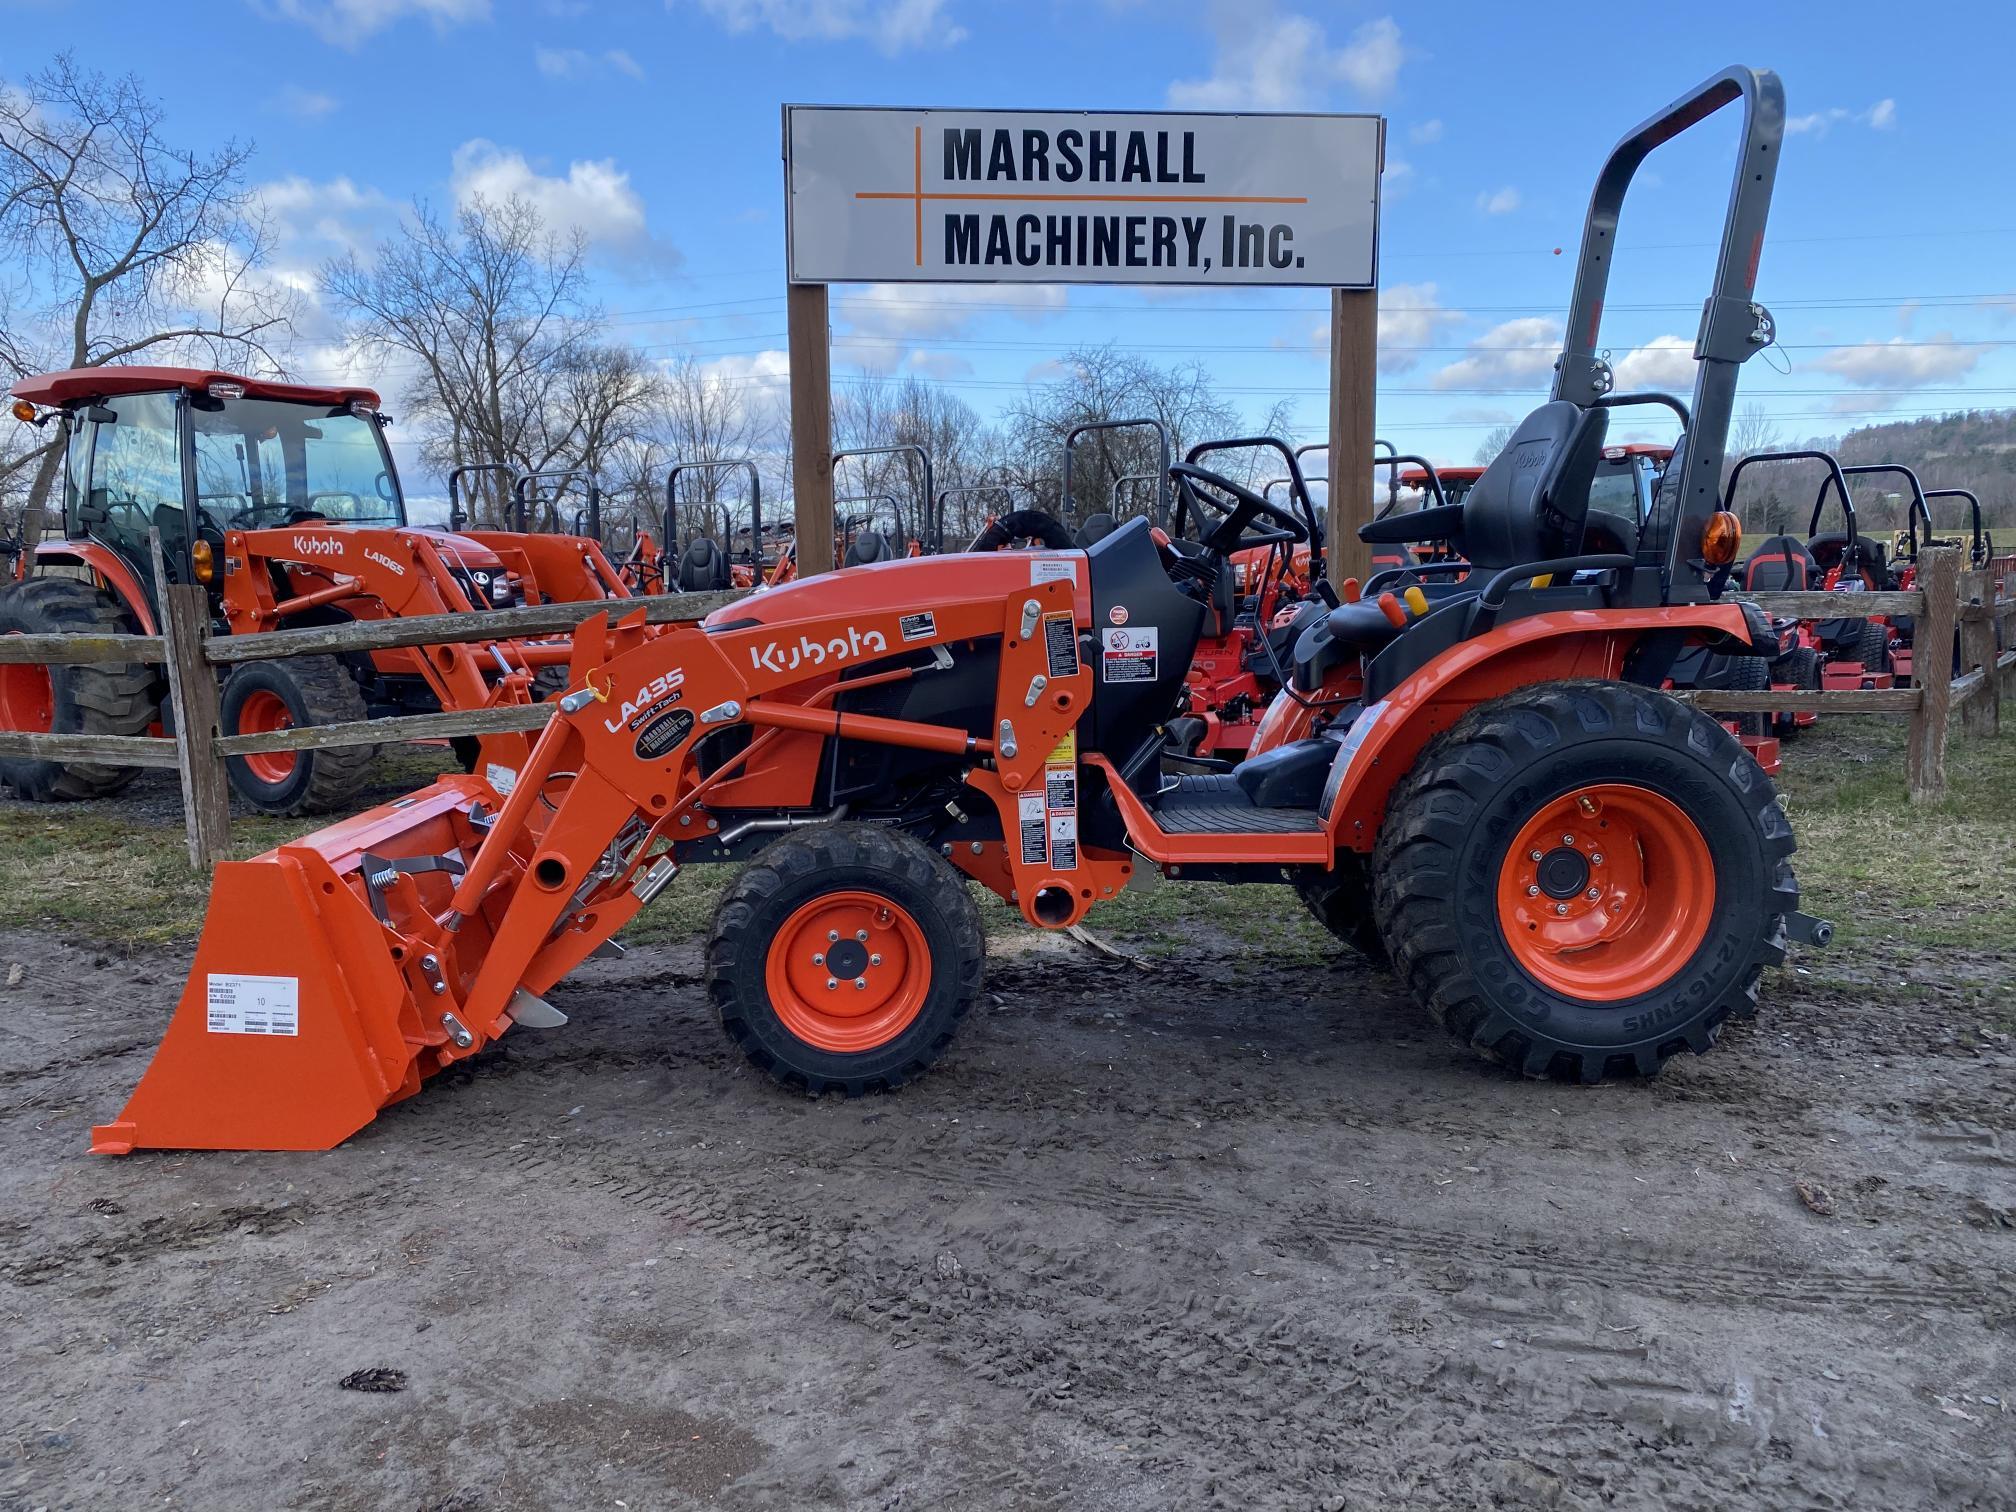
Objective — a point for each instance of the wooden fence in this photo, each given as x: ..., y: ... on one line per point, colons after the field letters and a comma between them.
x: 1946, y: 599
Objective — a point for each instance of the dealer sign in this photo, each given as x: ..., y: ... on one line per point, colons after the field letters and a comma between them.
x: 1025, y: 196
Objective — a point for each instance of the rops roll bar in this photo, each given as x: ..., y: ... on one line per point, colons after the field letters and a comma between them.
x: 1434, y: 483
x: 1160, y: 513
x: 1852, y: 551
x: 722, y: 464
x: 521, y: 495
x: 1982, y: 547
x: 456, y: 517
x: 1734, y: 327
x: 1913, y: 509
x: 934, y: 530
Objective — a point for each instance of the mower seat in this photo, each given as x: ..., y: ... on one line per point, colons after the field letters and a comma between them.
x: 1829, y: 547
x: 868, y: 546
x: 1781, y: 564
x: 1096, y: 528
x: 703, y: 567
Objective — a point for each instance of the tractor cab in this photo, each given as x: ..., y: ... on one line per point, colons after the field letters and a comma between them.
x: 198, y: 456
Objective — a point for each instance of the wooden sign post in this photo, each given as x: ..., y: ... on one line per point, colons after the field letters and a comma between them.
x: 1354, y: 363
x: 811, y: 428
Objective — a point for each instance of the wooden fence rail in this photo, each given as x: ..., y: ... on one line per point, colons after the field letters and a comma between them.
x: 1948, y: 600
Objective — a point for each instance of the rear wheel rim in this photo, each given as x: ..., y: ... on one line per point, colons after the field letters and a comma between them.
x: 1606, y: 893
x: 262, y: 713
x: 848, y: 972
x: 27, y: 697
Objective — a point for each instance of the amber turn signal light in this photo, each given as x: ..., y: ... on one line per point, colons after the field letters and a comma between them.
x: 1721, y: 538
x: 24, y: 411
x: 206, y: 562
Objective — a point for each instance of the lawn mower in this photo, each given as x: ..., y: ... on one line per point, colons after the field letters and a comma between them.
x: 1573, y: 872
x: 281, y: 500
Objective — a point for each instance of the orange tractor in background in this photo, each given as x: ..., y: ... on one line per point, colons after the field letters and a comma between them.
x: 1573, y: 872
x: 282, y: 501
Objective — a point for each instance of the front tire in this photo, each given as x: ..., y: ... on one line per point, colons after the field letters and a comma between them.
x: 264, y: 696
x: 844, y: 959
x: 1513, y: 955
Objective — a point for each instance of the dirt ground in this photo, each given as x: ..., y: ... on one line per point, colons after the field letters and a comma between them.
x: 1199, y: 1232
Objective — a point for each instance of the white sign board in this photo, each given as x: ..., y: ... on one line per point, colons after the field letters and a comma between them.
x: 1027, y: 196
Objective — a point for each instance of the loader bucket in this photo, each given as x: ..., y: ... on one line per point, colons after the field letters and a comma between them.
x: 303, y: 1014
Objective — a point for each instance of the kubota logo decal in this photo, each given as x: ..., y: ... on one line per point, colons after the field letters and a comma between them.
x: 810, y: 653
x: 654, y: 695
x: 314, y: 546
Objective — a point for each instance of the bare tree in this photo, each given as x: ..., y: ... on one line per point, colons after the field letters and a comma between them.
x: 910, y: 412
x: 120, y: 244
x: 1492, y: 444
x: 695, y: 415
x: 491, y: 314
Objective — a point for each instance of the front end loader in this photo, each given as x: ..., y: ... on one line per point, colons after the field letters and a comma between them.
x: 1574, y: 873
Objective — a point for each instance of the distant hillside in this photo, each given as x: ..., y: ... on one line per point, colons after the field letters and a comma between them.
x: 1972, y: 449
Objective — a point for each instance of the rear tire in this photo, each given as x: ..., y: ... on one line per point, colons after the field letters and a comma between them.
x: 1749, y: 674
x: 1872, y: 648
x: 921, y: 962
x: 303, y: 690
x: 111, y: 698
x: 1800, y: 667
x: 1681, y: 958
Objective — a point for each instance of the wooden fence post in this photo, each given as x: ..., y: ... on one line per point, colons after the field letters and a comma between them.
x: 192, y: 708
x: 1925, y: 755
x: 1981, y: 714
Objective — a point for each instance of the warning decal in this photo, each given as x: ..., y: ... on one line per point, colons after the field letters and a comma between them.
x: 254, y: 1004
x: 916, y: 627
x: 1067, y: 749
x: 1064, y: 841
x: 1060, y: 645
x: 1029, y: 814
x: 1060, y: 788
x: 1128, y: 655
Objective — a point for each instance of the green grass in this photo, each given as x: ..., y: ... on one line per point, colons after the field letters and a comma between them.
x: 1900, y: 880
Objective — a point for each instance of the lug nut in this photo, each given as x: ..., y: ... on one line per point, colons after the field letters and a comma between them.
x: 1597, y: 859
x: 859, y: 983
x: 1532, y: 892
x: 831, y: 984
x: 819, y: 958
x: 861, y: 935
x: 832, y: 936
x: 1560, y: 908
x: 874, y: 960
x: 1593, y: 894
x: 1533, y: 855
x: 1567, y: 839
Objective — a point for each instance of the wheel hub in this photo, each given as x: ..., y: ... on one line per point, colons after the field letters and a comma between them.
x: 848, y: 971
x: 1563, y: 872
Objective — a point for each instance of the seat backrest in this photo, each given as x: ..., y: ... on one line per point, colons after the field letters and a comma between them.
x: 868, y: 546
x: 1096, y: 528
x: 1532, y: 501
x: 1781, y: 564
x: 703, y: 567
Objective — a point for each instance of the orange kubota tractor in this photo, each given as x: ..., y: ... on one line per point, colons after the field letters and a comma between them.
x: 282, y: 501
x: 1572, y: 871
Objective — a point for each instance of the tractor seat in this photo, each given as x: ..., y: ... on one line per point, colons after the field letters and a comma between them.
x: 868, y: 546
x: 703, y: 567
x: 1096, y: 528
x: 1781, y: 564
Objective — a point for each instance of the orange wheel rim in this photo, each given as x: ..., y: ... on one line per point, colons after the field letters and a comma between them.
x: 27, y: 698
x: 848, y: 972
x: 262, y: 713
x: 1606, y: 893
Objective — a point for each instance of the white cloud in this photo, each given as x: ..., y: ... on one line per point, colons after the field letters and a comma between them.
x: 1881, y: 116
x: 1899, y: 362
x: 1498, y: 201
x: 1664, y: 362
x: 594, y: 198
x: 1515, y: 354
x: 313, y: 219
x: 307, y: 104
x: 349, y: 23
x: 891, y: 26
x: 1270, y: 61
x: 1411, y: 316
x: 886, y: 326
x: 573, y: 63
x: 1425, y: 133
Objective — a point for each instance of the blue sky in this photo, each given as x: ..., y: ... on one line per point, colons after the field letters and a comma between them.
x: 1891, y: 260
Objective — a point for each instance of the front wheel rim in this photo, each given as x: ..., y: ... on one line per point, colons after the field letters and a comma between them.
x: 1606, y: 892
x: 848, y: 972
x: 262, y: 713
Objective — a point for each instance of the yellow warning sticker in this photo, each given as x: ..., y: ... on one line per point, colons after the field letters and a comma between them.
x: 1067, y: 750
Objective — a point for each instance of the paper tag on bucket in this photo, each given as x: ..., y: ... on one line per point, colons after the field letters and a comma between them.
x: 254, y: 1004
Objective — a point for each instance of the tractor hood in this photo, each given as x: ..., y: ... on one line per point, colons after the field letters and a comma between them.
x: 914, y: 583
x: 465, y: 551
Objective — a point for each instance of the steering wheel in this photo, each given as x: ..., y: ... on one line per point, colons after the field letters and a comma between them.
x: 1230, y: 534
